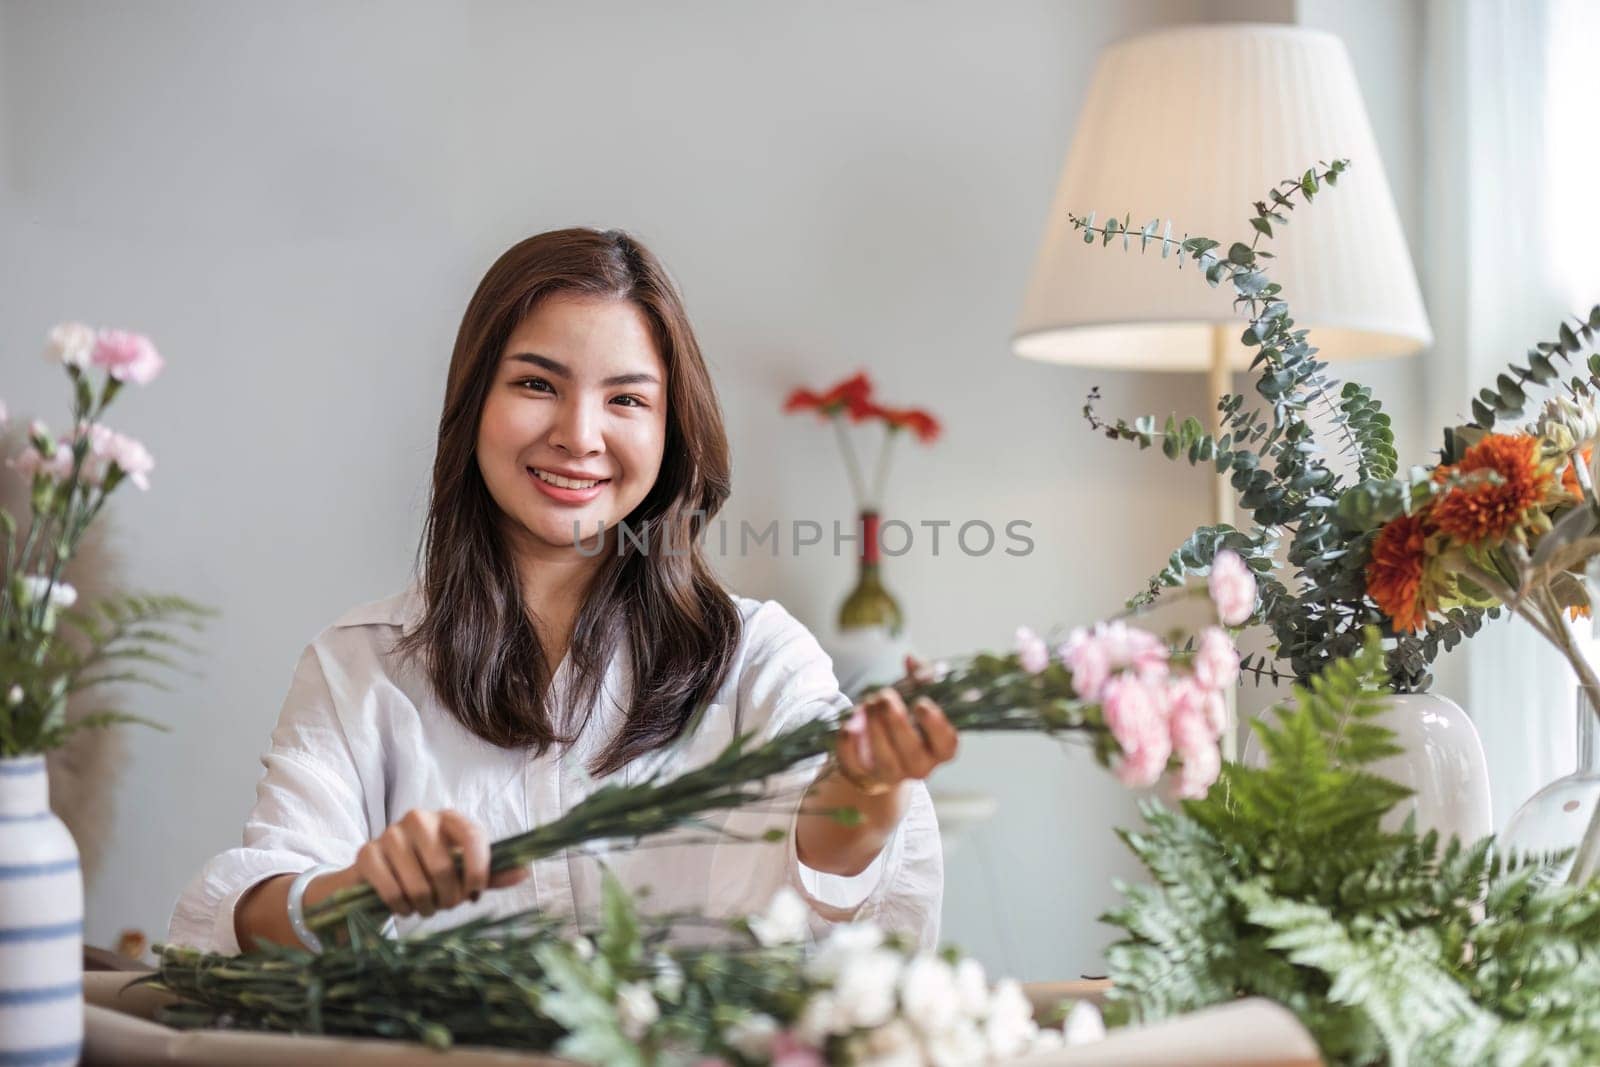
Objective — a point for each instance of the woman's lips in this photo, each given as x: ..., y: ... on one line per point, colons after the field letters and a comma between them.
x: 567, y: 496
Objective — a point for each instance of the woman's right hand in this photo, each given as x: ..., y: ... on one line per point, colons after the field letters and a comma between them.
x: 412, y: 868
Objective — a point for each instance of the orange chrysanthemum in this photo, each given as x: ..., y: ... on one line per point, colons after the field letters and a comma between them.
x: 1482, y: 513
x: 1397, y: 572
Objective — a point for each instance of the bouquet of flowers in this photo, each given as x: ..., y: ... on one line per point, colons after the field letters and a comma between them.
x: 1148, y: 709
x: 1292, y: 459
x: 51, y: 647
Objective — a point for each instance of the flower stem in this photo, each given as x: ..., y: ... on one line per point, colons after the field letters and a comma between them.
x: 852, y: 467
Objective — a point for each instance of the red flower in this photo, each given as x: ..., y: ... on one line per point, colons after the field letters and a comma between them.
x: 919, y: 422
x: 851, y: 396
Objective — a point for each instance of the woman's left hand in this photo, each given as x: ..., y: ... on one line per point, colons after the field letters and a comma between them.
x: 883, y: 743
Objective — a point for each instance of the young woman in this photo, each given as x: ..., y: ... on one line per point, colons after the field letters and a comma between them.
x: 537, y: 657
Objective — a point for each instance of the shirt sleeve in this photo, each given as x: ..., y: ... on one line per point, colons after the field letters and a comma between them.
x: 787, y: 679
x: 308, y: 811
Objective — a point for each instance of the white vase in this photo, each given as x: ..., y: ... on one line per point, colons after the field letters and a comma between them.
x: 1441, y: 762
x: 41, y: 924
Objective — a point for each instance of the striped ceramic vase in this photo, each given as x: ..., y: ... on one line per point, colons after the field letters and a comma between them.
x: 41, y: 924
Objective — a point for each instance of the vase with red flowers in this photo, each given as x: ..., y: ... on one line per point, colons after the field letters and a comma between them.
x: 845, y: 404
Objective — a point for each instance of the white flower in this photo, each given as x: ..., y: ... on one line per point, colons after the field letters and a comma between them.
x: 847, y: 940
x: 751, y: 1036
x: 1048, y: 1039
x: 62, y: 595
x: 1568, y: 423
x: 928, y: 994
x: 819, y: 1020
x: 70, y: 344
x: 786, y: 921
x: 14, y: 696
x: 891, y: 1045
x: 637, y: 1010
x: 583, y: 948
x: 959, y: 1045
x: 1084, y: 1024
x: 866, y: 985
x: 1009, y: 1027
x: 669, y: 977
x: 972, y: 987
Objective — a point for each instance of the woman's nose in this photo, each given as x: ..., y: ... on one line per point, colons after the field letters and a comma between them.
x: 577, y: 428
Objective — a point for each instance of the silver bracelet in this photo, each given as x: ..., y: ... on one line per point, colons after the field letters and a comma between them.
x: 297, y: 900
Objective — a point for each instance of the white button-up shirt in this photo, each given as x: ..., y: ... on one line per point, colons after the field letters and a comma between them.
x: 362, y: 740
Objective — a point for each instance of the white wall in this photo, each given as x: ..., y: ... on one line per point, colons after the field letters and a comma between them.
x: 296, y: 202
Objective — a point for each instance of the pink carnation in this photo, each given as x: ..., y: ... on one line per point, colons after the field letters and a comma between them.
x: 1093, y: 655
x: 1137, y: 720
x: 107, y: 447
x: 30, y: 463
x: 1232, y: 588
x: 127, y: 357
x: 1216, y: 660
x: 1032, y: 653
x: 1196, y: 718
x: 1201, y: 766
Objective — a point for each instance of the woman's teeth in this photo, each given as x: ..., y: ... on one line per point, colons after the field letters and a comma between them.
x: 563, y: 483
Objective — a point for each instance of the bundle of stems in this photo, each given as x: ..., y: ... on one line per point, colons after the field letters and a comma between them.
x: 982, y: 693
x: 477, y: 983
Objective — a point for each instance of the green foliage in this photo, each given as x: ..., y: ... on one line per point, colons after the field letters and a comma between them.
x: 1277, y: 460
x: 1508, y: 398
x: 1282, y: 883
x: 116, y: 640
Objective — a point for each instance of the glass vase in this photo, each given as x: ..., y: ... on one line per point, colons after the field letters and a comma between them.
x: 869, y: 604
x: 1557, y: 818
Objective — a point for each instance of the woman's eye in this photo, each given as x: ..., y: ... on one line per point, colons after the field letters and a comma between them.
x: 537, y: 384
x: 634, y: 402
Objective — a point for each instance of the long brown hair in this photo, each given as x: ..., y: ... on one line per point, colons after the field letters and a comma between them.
x: 680, y: 627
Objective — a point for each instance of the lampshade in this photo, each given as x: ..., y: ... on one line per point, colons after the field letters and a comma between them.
x: 1194, y: 125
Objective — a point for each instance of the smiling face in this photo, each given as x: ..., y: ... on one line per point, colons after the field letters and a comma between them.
x: 575, y: 424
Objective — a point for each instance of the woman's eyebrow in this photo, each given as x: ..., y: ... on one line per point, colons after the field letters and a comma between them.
x: 561, y: 370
